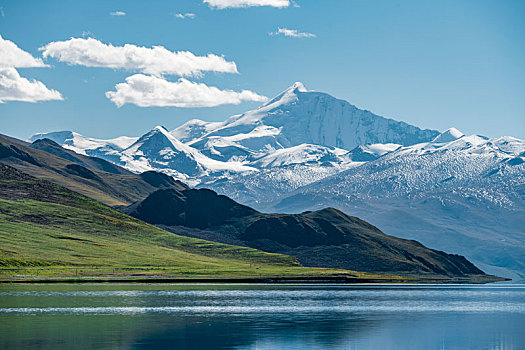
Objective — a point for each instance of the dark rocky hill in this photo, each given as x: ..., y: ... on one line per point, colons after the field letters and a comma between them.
x: 323, y: 238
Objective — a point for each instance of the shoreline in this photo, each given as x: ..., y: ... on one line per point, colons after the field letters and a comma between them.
x: 254, y: 280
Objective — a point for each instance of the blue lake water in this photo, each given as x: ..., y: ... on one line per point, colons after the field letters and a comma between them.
x: 262, y: 316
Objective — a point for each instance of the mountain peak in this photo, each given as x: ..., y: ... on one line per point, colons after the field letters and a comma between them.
x: 58, y: 136
x: 449, y: 135
x: 285, y: 97
x: 297, y: 87
x: 160, y: 128
x: 159, y: 134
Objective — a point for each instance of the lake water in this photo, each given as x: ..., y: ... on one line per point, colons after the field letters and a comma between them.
x: 262, y: 316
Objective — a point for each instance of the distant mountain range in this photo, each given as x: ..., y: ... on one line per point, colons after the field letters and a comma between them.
x: 303, y: 126
x: 306, y: 150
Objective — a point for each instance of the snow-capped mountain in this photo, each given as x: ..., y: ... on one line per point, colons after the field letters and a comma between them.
x: 491, y: 167
x: 282, y: 171
x: 448, y: 135
x: 158, y: 149
x: 298, y: 127
x: 155, y: 150
x: 84, y: 145
x: 106, y: 149
x: 465, y: 162
x: 305, y: 150
x: 298, y: 116
x: 194, y: 129
x: 304, y: 154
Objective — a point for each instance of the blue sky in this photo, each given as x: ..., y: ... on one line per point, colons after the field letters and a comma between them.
x: 434, y: 64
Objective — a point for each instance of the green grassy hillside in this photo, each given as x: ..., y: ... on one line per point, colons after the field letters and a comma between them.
x: 46, y: 229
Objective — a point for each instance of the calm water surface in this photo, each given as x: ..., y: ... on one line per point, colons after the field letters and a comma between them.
x: 262, y: 316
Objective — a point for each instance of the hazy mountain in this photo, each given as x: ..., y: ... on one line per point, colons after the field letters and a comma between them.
x: 458, y: 193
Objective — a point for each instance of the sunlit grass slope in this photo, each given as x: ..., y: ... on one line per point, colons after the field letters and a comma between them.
x: 46, y: 229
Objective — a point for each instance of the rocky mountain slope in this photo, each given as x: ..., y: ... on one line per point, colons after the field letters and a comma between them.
x: 33, y: 225
x: 324, y: 238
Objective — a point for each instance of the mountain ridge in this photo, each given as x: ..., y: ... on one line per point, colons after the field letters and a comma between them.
x: 50, y: 233
x: 467, y: 195
x: 236, y: 144
x: 90, y: 176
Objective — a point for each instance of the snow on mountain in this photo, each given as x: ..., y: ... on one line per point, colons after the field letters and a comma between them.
x: 159, y: 150
x: 283, y: 171
x: 299, y: 116
x: 448, y: 135
x: 85, y: 145
x: 258, y: 142
x: 365, y: 153
x: 467, y: 162
x: 306, y: 150
x: 273, y: 135
x: 304, y: 154
x: 156, y: 150
x: 465, y: 196
x: 268, y: 184
x: 109, y: 150
x: 287, y: 169
x: 194, y: 129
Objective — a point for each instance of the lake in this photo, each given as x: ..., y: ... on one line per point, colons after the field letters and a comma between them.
x: 140, y: 316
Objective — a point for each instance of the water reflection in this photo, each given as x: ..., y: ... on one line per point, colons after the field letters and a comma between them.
x: 261, y: 317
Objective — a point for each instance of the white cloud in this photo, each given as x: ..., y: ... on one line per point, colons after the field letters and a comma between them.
x: 156, y: 60
x: 13, y: 87
x: 224, y: 4
x: 118, y: 13
x: 151, y: 91
x: 13, y: 56
x: 185, y: 15
x: 293, y: 33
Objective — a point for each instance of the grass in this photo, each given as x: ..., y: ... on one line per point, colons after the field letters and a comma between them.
x: 49, y: 231
x: 89, y: 239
